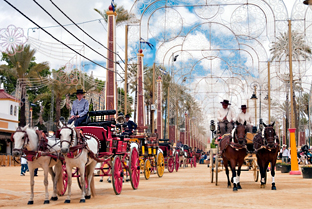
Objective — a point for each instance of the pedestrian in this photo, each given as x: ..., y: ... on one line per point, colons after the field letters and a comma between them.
x: 285, y: 154
x: 23, y: 165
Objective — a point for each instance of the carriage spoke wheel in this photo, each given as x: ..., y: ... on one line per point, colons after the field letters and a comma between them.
x: 64, y: 180
x: 170, y: 164
x: 77, y: 174
x: 147, y: 169
x: 255, y: 170
x: 216, y: 169
x: 117, y: 175
x: 134, y: 168
x: 194, y: 162
x: 160, y: 164
x: 177, y: 163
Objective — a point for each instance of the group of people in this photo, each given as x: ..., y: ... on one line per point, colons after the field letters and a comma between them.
x: 226, y: 118
x: 80, y: 109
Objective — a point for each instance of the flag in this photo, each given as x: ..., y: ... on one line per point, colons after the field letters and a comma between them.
x: 146, y: 42
x: 112, y: 3
x: 163, y: 71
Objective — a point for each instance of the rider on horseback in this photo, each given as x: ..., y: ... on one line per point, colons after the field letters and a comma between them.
x: 226, y: 118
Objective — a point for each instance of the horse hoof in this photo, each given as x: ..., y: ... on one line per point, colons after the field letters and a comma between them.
x: 101, y: 180
x: 234, y: 189
x: 229, y: 186
x: 262, y: 186
x: 54, y: 198
x: 239, y: 186
x: 88, y: 197
x: 82, y: 200
x: 67, y: 201
x: 30, y: 202
x: 273, y: 187
x: 46, y: 202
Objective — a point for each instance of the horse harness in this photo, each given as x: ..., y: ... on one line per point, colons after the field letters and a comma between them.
x: 41, y: 148
x: 227, y: 140
x: 263, y: 142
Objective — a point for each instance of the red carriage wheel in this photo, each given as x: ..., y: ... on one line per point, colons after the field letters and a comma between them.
x: 194, y: 161
x: 134, y: 168
x: 65, y: 180
x: 117, y: 175
x: 76, y: 173
x: 170, y: 164
x: 177, y: 163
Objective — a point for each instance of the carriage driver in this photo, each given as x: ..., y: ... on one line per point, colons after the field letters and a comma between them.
x: 245, y: 116
x: 225, y: 118
x: 79, y: 109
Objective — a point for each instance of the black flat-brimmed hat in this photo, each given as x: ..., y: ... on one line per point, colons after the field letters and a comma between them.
x: 127, y: 116
x: 225, y: 102
x: 244, y: 107
x: 80, y: 91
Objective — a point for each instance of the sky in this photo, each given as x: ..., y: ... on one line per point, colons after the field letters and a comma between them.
x: 192, y: 43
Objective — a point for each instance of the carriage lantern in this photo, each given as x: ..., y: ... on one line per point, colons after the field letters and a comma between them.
x: 212, y: 125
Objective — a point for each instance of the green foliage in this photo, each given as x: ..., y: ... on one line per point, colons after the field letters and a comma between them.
x: 213, y: 145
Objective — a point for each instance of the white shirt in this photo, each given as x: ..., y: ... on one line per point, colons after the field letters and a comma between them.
x: 242, y: 117
x: 285, y: 153
x: 229, y: 113
x: 23, y: 160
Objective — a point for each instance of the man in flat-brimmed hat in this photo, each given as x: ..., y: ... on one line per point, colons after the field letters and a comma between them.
x: 226, y: 117
x: 245, y: 116
x: 79, y: 109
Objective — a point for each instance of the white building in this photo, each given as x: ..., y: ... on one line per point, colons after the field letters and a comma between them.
x: 9, y: 107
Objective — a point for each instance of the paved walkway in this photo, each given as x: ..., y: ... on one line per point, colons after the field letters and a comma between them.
x: 188, y: 188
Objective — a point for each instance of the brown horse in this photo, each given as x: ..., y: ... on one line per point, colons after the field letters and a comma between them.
x: 233, y: 152
x: 266, y: 145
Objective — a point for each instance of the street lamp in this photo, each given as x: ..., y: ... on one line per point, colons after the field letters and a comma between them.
x: 254, y: 97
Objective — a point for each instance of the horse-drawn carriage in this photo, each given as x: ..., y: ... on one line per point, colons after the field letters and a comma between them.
x: 190, y: 156
x: 151, y: 158
x: 255, y: 150
x: 113, y: 150
x: 169, y: 157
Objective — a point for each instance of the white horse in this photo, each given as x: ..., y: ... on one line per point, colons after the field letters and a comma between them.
x: 81, y: 160
x: 26, y: 140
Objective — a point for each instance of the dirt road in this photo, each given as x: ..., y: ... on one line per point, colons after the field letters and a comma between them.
x: 188, y: 188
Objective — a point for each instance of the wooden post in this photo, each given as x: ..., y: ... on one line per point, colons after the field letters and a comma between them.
x: 140, y: 93
x: 159, y: 107
x: 269, y: 93
x: 126, y: 68
x: 153, y: 100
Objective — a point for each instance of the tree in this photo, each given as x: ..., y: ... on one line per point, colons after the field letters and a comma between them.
x: 280, y: 48
x: 122, y: 15
x: 22, y: 66
x: 121, y: 101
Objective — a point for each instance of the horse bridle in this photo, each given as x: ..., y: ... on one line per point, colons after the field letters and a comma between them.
x: 240, y: 138
x: 71, y: 136
x: 25, y: 139
x: 266, y: 139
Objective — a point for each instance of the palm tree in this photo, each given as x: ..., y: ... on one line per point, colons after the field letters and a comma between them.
x: 22, y: 66
x: 280, y: 51
x: 280, y: 48
x: 122, y: 15
x: 60, y: 89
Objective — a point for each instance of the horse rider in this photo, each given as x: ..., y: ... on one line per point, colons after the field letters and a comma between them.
x: 79, y: 109
x: 226, y: 118
x: 179, y: 145
x: 130, y: 125
x: 245, y: 116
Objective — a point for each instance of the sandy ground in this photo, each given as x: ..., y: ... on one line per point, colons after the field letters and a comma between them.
x: 188, y: 188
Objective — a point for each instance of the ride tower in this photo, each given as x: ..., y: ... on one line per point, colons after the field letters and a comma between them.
x: 111, y: 85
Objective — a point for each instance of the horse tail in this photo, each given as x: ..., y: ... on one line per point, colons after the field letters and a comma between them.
x: 92, y: 187
x: 59, y: 176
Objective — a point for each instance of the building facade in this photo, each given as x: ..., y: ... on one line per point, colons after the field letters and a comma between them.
x: 9, y: 110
